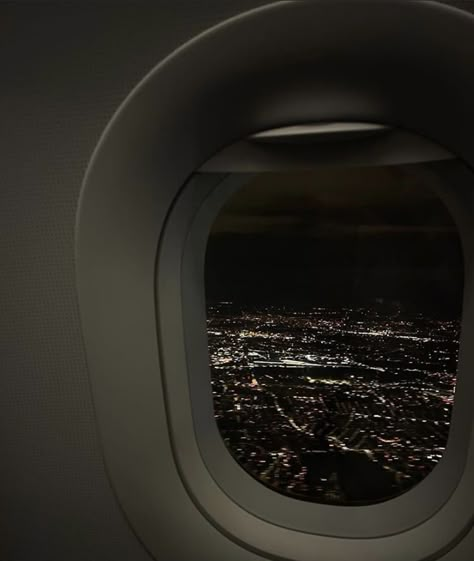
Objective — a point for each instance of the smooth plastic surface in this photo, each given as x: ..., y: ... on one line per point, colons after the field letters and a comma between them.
x: 404, y: 64
x: 188, y: 228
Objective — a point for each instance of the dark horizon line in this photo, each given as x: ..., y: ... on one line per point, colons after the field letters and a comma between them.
x: 414, y: 308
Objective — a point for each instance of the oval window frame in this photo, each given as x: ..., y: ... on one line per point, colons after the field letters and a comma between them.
x: 132, y: 182
x: 180, y: 288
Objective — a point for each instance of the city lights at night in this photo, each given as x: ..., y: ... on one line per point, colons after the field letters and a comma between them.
x: 333, y: 310
x: 306, y: 400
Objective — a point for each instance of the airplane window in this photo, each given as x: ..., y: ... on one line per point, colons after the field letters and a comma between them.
x: 334, y: 300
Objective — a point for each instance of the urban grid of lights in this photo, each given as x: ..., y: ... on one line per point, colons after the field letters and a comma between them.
x: 333, y: 405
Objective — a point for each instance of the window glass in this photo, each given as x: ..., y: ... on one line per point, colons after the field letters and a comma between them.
x: 334, y: 300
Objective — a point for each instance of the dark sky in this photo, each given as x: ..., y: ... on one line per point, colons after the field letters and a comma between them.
x: 337, y: 236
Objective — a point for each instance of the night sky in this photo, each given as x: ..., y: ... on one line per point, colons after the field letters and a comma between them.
x: 337, y: 237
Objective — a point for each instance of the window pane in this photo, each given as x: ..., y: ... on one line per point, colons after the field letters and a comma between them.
x: 334, y: 300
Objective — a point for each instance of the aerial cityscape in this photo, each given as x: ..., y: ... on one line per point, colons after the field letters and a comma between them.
x: 334, y: 302
x: 333, y: 405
